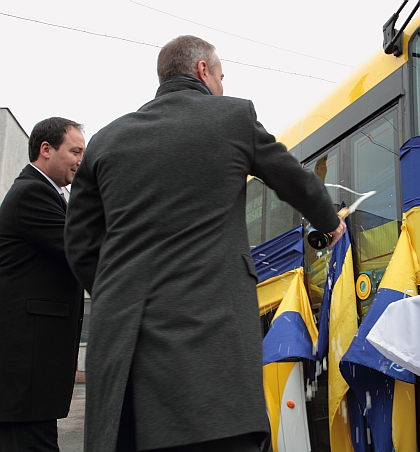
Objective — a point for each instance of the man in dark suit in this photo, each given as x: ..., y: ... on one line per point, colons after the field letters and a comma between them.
x: 156, y: 233
x: 41, y: 302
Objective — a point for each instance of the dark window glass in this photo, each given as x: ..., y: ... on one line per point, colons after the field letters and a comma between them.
x: 376, y: 224
x: 317, y: 261
x: 254, y: 211
x: 279, y: 216
x: 415, y: 77
x: 266, y: 215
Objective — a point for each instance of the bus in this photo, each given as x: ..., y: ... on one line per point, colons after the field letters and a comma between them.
x: 350, y: 140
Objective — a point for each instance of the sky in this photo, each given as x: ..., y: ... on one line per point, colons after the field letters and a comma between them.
x: 96, y: 60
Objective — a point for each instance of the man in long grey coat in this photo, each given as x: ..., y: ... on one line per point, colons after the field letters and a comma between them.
x: 156, y: 233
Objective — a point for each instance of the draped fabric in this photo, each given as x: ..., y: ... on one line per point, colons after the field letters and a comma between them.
x: 279, y: 255
x: 279, y: 264
x: 371, y: 393
x: 376, y: 380
x: 337, y: 327
x: 384, y: 389
x: 402, y: 346
x: 293, y: 333
x: 292, y: 336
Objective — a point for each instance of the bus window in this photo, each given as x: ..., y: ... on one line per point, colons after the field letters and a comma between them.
x: 316, y: 261
x: 375, y: 225
x: 415, y: 72
x: 279, y: 217
x: 254, y: 211
x: 266, y: 215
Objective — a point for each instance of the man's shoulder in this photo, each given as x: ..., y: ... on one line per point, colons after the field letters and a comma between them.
x: 114, y: 126
x: 28, y: 183
x: 226, y: 106
x: 238, y: 102
x: 120, y: 121
x: 31, y: 176
x: 235, y: 100
x: 231, y: 109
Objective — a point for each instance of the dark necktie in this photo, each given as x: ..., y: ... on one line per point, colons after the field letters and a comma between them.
x: 64, y: 198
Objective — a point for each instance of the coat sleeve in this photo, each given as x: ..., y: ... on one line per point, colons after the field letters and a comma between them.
x: 85, y: 225
x: 40, y: 219
x: 300, y: 188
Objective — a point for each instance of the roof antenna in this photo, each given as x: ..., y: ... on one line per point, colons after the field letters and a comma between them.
x: 393, y: 38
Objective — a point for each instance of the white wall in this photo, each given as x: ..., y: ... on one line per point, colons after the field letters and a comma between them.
x: 13, y: 150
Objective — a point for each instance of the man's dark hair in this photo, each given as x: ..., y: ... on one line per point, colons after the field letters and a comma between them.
x: 181, y: 55
x: 51, y: 130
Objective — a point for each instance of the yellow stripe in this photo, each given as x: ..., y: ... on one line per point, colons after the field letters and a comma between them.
x: 272, y: 291
x: 412, y: 221
x: 401, y: 272
x: 343, y: 326
x: 404, y: 418
x: 340, y: 434
x: 289, y: 293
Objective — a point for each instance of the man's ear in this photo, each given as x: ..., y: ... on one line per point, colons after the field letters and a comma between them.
x: 45, y: 149
x: 202, y: 71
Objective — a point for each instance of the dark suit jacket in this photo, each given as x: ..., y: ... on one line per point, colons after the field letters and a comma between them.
x: 41, y: 304
x: 156, y: 232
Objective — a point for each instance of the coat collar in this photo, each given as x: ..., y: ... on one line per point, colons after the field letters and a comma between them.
x: 180, y: 83
x: 29, y: 170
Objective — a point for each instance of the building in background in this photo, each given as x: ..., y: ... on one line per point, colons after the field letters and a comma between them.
x: 13, y: 150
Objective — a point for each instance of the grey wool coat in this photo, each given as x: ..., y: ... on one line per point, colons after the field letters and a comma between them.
x: 156, y: 233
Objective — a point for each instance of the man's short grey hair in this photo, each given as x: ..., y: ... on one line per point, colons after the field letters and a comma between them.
x: 181, y: 55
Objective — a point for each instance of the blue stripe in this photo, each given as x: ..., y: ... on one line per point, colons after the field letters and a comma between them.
x: 364, y: 353
x: 279, y: 255
x: 338, y: 256
x: 375, y: 394
x: 410, y: 181
x: 287, y: 338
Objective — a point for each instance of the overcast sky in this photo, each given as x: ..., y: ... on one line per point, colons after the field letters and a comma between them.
x: 283, y: 55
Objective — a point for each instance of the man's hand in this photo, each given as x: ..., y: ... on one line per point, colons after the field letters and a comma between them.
x: 336, y: 235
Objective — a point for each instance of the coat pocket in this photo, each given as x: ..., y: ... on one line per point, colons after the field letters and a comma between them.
x: 44, y: 307
x: 250, y: 266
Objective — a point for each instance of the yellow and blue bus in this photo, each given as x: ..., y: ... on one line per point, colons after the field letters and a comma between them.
x: 352, y: 139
